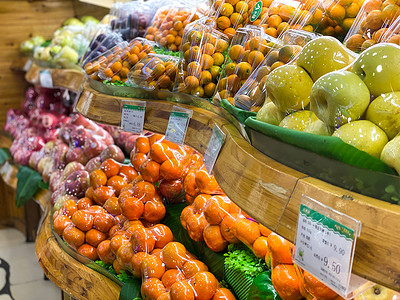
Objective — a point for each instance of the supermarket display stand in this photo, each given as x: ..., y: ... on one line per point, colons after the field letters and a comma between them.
x: 269, y: 191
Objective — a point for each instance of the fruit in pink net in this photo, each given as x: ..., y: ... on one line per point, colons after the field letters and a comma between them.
x: 77, y: 183
x: 76, y: 154
x: 114, y: 152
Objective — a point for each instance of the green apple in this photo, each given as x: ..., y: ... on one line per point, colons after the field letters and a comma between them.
x: 378, y: 67
x: 364, y: 135
x: 391, y: 153
x: 377, y: 292
x: 339, y: 97
x: 269, y: 113
x: 305, y: 120
x: 384, y: 111
x: 323, y: 55
x: 289, y: 88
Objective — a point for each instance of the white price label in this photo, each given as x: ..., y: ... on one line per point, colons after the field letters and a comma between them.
x: 214, y: 146
x: 325, y: 247
x: 27, y: 65
x: 177, y: 125
x: 45, y: 79
x: 132, y: 119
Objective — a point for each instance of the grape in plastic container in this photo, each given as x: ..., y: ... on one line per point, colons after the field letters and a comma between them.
x: 154, y: 72
x: 371, y: 24
x: 203, y: 51
x: 283, y: 15
x: 252, y: 94
x: 246, y: 52
x: 118, y: 68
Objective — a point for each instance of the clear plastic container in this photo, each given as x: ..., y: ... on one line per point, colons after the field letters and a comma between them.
x: 203, y: 52
x: 154, y: 72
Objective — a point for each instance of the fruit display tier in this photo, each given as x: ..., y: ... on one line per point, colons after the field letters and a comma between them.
x: 61, y: 78
x: 270, y: 191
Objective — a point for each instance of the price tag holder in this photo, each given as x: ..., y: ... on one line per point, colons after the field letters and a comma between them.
x: 45, y: 79
x: 177, y: 124
x: 132, y: 117
x: 325, y: 244
x: 27, y: 65
x: 215, y: 143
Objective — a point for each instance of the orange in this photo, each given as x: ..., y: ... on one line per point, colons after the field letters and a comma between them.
x: 236, y: 19
x: 103, y: 221
x: 117, y: 183
x: 233, y: 83
x: 389, y: 13
x: 73, y: 236
x: 60, y: 223
x: 152, y: 288
x: 174, y: 255
x: 142, y: 144
x: 132, y: 208
x: 195, y: 225
x: 136, y: 263
x: 206, y: 61
x: 110, y: 167
x: 172, y: 190
x: 200, y: 202
x: 182, y: 290
x: 204, y: 284
x: 104, y: 252
x: 164, y: 296
x: 192, y: 267
x: 69, y: 208
x: 137, y: 160
x: 226, y: 9
x: 171, y: 169
x: 337, y: 12
x: 117, y: 241
x: 214, y: 239
x: 102, y: 193
x: 205, y: 77
x: 208, y: 48
x: 84, y: 203
x: 160, y: 152
x: 255, y: 58
x: 286, y: 282
x: 154, y: 211
x: 280, y: 250
x: 206, y: 183
x: 227, y: 228
x: 142, y: 240
x: 94, y: 237
x: 241, y: 7
x: 209, y: 89
x: 218, y: 59
x: 98, y: 178
x: 316, y: 288
x: 112, y: 206
x: 264, y: 230
x: 223, y: 294
x: 171, y: 276
x: 150, y: 171
x: 162, y: 234
x: 216, y: 209
x: 191, y: 82
x: 236, y: 52
x: 260, y: 247
x: 247, y: 231
x: 152, y: 267
x: 223, y: 22
x: 194, y: 69
x: 144, y: 191
x: 186, y: 213
x: 82, y: 220
x: 274, y: 21
x: 243, y: 70
x: 88, y: 251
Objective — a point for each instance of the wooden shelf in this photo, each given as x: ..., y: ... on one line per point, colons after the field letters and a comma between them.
x: 69, y: 274
x: 269, y: 191
x: 62, y: 78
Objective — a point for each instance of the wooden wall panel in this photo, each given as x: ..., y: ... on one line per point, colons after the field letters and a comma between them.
x: 19, y: 20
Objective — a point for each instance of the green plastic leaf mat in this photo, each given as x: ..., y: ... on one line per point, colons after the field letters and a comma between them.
x: 371, y: 183
x: 328, y: 146
x: 130, y: 290
x: 214, y: 261
x: 238, y: 113
x: 239, y: 282
x: 27, y: 185
x: 262, y: 288
x: 4, y: 155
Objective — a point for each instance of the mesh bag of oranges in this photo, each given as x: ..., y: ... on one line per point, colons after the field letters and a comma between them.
x: 118, y: 68
x: 246, y: 52
x: 203, y: 52
x: 92, y: 67
x: 283, y: 15
x: 252, y: 95
x: 154, y: 72
x: 168, y: 26
x: 338, y: 17
x: 371, y: 24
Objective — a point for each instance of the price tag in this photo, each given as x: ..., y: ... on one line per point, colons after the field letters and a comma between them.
x: 27, y: 65
x: 133, y: 113
x: 214, y: 146
x: 45, y: 79
x: 177, y: 124
x: 325, y: 243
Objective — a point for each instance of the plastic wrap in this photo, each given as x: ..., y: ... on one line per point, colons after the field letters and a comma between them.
x: 118, y: 67
x: 246, y: 52
x: 252, y: 94
x: 154, y: 72
x: 203, y: 51
x: 371, y: 24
